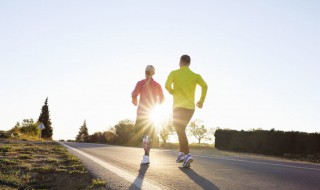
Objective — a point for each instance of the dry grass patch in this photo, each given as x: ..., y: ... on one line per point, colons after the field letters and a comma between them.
x: 41, y: 165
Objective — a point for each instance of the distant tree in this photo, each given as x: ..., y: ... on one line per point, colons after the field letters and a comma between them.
x: 45, y: 119
x: 198, y: 130
x: 110, y: 136
x: 17, y: 125
x: 83, y: 133
x: 97, y: 137
x: 102, y: 137
x: 26, y: 123
x: 166, y: 130
x: 124, y: 129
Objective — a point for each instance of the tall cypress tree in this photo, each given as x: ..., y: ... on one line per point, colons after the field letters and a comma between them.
x: 45, y: 119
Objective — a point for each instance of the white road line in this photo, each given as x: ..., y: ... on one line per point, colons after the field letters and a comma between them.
x: 255, y: 162
x: 141, y: 184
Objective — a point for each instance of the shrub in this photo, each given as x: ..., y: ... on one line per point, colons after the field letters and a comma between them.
x: 268, y: 142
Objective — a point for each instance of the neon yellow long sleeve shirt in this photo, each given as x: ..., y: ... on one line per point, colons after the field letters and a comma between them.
x: 182, y: 84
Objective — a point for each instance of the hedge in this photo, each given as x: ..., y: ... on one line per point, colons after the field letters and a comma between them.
x: 268, y: 142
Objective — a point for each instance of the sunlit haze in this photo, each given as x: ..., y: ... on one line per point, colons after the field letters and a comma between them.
x: 260, y: 60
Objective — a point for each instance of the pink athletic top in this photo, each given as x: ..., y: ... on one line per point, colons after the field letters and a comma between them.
x: 150, y: 94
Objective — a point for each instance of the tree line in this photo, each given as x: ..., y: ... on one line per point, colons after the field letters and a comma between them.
x: 123, y: 133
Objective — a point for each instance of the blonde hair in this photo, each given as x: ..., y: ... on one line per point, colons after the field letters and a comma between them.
x: 150, y: 70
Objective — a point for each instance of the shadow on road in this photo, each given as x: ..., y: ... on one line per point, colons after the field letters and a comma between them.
x: 137, y: 184
x: 201, y: 181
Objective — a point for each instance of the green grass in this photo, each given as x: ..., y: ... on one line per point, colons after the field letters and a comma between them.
x: 53, y: 160
x: 98, y: 182
x: 5, y: 149
x: 11, y: 180
x: 44, y: 168
x: 24, y: 156
x: 6, y: 161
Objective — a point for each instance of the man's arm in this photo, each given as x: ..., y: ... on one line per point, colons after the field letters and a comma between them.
x: 204, y: 89
x: 169, y: 82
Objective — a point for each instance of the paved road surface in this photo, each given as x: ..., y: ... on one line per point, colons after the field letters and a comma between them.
x: 120, y: 167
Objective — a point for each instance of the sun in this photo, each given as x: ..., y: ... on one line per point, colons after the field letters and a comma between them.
x: 158, y: 115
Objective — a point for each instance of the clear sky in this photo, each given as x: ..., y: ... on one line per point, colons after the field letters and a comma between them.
x: 259, y: 58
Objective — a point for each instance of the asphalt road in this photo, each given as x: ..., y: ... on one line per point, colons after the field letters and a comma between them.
x: 120, y: 167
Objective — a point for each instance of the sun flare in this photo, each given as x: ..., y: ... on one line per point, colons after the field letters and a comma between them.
x: 159, y: 115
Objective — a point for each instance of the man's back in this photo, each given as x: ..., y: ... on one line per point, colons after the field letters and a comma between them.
x: 184, y: 84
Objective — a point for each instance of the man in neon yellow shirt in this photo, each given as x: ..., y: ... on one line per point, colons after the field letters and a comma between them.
x: 182, y: 84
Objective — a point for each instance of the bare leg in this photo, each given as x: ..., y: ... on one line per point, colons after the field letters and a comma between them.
x: 146, y: 145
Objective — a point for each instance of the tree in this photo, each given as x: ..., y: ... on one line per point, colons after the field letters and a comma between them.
x: 110, y: 136
x: 83, y: 133
x: 97, y: 137
x: 125, y: 131
x: 17, y: 126
x: 102, y: 137
x: 166, y: 130
x: 45, y: 119
x: 25, y: 123
x: 198, y: 130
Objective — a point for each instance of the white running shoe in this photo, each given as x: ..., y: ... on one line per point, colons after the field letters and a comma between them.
x: 145, y: 160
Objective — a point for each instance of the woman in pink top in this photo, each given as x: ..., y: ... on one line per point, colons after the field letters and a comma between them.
x: 150, y: 93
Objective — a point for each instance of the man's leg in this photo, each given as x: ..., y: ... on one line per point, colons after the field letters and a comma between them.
x: 181, y: 118
x: 183, y: 140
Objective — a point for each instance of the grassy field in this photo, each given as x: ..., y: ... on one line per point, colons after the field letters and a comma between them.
x: 42, y: 165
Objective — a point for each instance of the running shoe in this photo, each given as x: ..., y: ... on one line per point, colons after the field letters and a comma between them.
x: 145, y: 160
x: 187, y: 161
x: 180, y: 157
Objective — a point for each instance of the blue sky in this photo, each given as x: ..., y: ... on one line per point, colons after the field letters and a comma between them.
x: 259, y: 58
